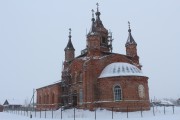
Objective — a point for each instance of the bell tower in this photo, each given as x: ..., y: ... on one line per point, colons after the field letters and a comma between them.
x: 69, y: 50
x: 97, y: 38
x: 131, y: 48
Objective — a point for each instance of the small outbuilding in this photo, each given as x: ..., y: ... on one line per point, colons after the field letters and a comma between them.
x: 178, y: 101
x: 11, y: 104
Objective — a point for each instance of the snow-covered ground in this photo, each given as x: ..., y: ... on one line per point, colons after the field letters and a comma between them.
x: 100, y: 115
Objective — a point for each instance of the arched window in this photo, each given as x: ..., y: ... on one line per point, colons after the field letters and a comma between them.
x: 75, y: 77
x: 47, y: 99
x: 40, y: 100
x: 80, y: 77
x: 44, y: 100
x: 80, y: 96
x: 117, y: 93
x: 53, y: 98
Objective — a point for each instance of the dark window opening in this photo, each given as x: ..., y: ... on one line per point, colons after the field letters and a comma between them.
x: 103, y: 40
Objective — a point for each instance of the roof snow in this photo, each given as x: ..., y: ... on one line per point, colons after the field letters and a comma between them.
x: 120, y: 69
x: 166, y: 102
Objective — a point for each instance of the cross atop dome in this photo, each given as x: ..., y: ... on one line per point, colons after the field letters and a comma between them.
x: 97, y: 7
x: 98, y: 13
x: 129, y: 27
x: 97, y: 25
x: 129, y: 24
x: 92, y: 13
x: 93, y: 19
x: 70, y: 32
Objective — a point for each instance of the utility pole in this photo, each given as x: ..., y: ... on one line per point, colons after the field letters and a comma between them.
x: 33, y: 98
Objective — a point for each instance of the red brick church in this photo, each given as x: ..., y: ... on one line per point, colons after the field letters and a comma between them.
x: 98, y: 78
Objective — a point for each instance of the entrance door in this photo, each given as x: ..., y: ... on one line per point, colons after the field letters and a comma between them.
x: 74, y: 100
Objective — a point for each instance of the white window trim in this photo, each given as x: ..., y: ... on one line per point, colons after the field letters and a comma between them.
x: 121, y: 98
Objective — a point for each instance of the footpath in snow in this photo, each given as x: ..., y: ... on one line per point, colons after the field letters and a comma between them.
x: 159, y: 114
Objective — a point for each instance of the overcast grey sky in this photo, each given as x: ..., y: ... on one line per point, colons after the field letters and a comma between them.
x: 34, y: 33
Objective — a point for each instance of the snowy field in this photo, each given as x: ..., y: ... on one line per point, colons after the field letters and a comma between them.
x: 99, y: 115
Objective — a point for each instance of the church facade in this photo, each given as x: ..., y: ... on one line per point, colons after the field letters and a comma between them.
x: 99, y: 78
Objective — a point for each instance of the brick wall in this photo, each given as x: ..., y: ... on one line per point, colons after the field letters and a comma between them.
x: 94, y: 90
x: 98, y: 92
x: 130, y: 96
x: 48, y: 97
